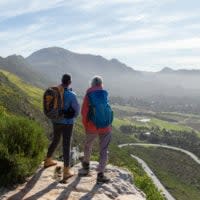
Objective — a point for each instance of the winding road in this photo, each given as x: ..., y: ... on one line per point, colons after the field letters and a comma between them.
x: 149, y: 171
x: 155, y: 180
x: 194, y: 157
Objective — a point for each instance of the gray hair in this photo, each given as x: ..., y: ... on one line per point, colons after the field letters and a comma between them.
x: 96, y: 81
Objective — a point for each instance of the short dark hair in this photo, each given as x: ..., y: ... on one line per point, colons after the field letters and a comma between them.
x: 66, y: 79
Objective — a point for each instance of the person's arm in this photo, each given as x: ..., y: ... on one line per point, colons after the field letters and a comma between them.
x: 85, y: 110
x: 75, y: 105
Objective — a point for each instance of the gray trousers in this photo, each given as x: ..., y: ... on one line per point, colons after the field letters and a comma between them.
x: 104, y: 140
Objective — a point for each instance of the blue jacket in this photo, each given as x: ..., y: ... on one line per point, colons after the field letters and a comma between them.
x: 69, y: 99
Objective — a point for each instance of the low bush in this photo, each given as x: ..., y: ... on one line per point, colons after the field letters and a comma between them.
x: 22, y: 147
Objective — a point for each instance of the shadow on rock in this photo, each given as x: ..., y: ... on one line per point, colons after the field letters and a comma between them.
x: 42, y: 192
x: 91, y: 194
x: 66, y: 192
x: 30, y: 184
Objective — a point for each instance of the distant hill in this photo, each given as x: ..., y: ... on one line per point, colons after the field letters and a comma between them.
x: 168, y: 70
x: 119, y: 79
x: 20, y: 67
x: 184, y: 78
x: 46, y: 66
x: 53, y: 62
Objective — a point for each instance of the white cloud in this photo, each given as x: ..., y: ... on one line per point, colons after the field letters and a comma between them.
x: 130, y: 36
x: 125, y: 29
x: 190, y: 43
x: 155, y: 54
x: 133, y: 18
x: 176, y: 17
x: 12, y: 8
x: 96, y: 4
x: 20, y: 33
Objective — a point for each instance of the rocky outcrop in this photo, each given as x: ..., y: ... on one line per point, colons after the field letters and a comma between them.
x: 45, y: 185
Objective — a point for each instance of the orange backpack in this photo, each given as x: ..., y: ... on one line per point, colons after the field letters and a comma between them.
x: 53, y: 102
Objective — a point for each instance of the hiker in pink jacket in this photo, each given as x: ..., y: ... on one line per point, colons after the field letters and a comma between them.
x: 97, y: 118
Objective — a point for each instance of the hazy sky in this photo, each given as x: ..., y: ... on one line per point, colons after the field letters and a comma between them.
x: 144, y: 34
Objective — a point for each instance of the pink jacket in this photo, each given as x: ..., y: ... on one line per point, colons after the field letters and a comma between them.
x: 89, y: 125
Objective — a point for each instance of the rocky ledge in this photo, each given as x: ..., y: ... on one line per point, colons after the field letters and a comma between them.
x: 45, y: 185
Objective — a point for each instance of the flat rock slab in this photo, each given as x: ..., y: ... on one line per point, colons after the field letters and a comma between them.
x: 45, y: 185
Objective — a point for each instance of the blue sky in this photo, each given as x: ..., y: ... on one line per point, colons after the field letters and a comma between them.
x: 145, y: 34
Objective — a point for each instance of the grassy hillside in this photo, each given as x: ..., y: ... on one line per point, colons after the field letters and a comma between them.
x: 15, y: 100
x: 34, y: 93
x: 23, y: 140
x: 21, y: 98
x: 19, y: 66
x: 177, y: 171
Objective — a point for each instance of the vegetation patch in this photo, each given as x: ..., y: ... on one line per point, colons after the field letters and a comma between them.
x: 177, y: 171
x: 22, y: 148
x: 35, y: 94
x: 167, y: 125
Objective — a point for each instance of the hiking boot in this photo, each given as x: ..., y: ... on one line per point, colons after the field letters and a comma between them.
x: 101, y: 178
x: 85, y: 167
x: 49, y: 162
x: 67, y: 173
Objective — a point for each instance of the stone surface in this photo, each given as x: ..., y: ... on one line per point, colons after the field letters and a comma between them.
x: 45, y: 185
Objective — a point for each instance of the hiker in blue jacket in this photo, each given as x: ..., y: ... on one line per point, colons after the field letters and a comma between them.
x: 63, y: 127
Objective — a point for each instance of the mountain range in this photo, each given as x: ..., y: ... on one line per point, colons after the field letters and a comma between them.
x: 19, y: 66
x: 46, y: 66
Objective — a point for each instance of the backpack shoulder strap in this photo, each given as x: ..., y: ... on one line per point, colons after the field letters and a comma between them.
x: 60, y: 91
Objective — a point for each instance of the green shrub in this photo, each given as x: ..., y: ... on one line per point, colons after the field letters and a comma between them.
x: 22, y: 148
